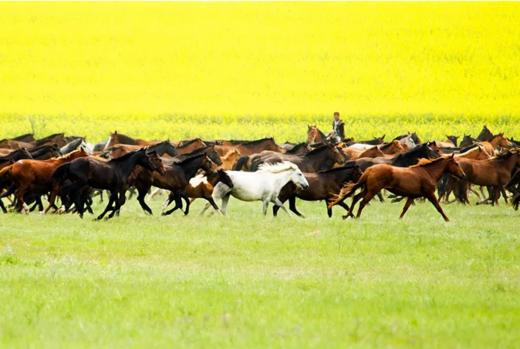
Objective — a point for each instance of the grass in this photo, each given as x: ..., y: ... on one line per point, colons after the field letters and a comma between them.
x: 250, y: 281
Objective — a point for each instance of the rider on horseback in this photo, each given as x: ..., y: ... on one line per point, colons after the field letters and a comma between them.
x: 338, y: 128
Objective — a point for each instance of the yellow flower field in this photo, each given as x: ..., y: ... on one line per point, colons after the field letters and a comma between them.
x: 221, y: 70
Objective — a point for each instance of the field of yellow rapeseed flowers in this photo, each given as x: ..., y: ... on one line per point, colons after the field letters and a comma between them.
x: 220, y: 70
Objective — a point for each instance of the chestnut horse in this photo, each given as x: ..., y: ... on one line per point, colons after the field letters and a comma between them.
x: 411, y: 182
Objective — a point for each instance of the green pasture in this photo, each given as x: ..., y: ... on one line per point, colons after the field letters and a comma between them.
x: 251, y: 281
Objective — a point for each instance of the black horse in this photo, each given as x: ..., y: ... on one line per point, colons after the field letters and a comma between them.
x: 175, y: 178
x: 86, y: 173
x: 322, y: 186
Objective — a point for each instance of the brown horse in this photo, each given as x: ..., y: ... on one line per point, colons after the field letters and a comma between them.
x: 229, y: 159
x: 392, y: 148
x: 248, y: 147
x: 119, y: 138
x: 449, y: 184
x: 161, y: 148
x: 498, y: 141
x: 35, y: 175
x: 495, y: 173
x: 189, y: 146
x: 315, y: 136
x: 411, y: 182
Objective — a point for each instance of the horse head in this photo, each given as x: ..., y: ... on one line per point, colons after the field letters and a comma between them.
x: 151, y: 161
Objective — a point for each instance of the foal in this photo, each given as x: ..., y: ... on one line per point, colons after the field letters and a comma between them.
x: 411, y: 182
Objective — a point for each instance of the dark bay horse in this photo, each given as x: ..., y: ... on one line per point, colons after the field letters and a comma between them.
x: 323, y: 185
x: 411, y: 182
x: 86, y: 173
x: 175, y: 178
x: 203, y: 187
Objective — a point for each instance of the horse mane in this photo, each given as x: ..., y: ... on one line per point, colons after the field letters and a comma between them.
x: 189, y: 157
x: 278, y: 167
x: 122, y: 136
x: 317, y: 150
x: 387, y: 145
x: 468, y: 148
x: 256, y: 141
x: 188, y: 142
x: 125, y: 156
x: 424, y: 162
x: 349, y: 165
x: 50, y: 136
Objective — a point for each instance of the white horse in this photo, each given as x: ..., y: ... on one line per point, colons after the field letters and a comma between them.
x: 263, y: 185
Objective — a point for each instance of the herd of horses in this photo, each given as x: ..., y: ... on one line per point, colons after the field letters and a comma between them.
x: 69, y: 173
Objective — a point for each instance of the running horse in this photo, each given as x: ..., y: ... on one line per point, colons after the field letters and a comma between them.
x: 411, y: 182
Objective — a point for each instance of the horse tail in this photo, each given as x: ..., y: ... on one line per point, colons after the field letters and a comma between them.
x: 347, y: 190
x: 241, y: 162
x: 5, y: 175
x: 61, y: 174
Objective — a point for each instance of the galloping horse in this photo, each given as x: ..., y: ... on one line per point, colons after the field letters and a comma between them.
x: 89, y: 172
x: 176, y: 176
x: 322, y: 186
x: 202, y: 186
x: 263, y: 185
x: 411, y: 182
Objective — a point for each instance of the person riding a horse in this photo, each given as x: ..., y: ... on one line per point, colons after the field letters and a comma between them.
x: 338, y: 128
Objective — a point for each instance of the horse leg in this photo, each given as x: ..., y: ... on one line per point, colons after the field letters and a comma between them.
x: 120, y: 201
x: 342, y: 204
x: 407, y: 205
x: 225, y: 200
x: 4, y: 210
x: 140, y: 198
x: 504, y: 194
x: 184, y: 196
x: 366, y: 199
x: 292, y: 206
x: 356, y: 198
x: 431, y: 197
x: 20, y: 193
x: 277, y: 202
x: 178, y: 204
x: 111, y: 200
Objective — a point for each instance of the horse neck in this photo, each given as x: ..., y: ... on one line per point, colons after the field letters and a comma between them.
x: 435, y: 169
x: 126, y: 166
x: 282, y: 178
x: 191, y: 167
x: 508, y: 163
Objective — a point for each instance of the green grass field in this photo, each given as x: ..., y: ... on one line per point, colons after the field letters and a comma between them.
x: 254, y: 282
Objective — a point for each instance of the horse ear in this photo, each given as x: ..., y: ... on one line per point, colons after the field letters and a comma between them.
x: 452, y: 155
